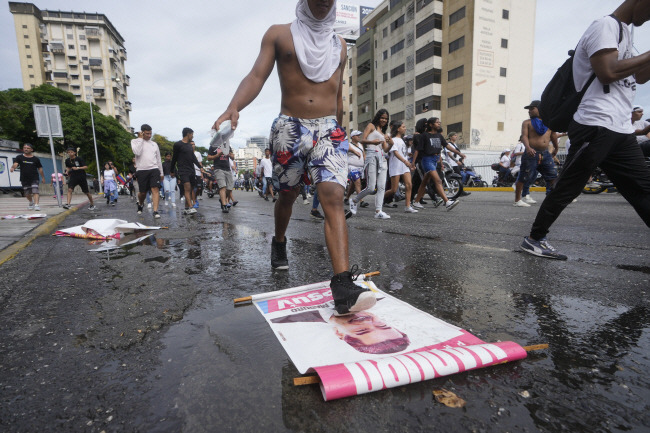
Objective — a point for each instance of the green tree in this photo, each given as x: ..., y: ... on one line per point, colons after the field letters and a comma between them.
x: 17, y: 123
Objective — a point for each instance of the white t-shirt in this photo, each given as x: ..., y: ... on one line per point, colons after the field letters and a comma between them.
x: 519, y: 147
x: 109, y: 175
x: 449, y: 159
x: 641, y: 124
x: 610, y: 110
x: 395, y: 166
x: 505, y: 161
x: 232, y: 167
x: 353, y: 159
x: 197, y: 170
x: 267, y: 167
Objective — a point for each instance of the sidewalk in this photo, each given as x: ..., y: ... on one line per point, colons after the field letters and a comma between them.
x: 16, y: 234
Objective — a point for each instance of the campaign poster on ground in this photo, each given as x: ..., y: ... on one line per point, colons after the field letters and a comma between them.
x: 389, y: 345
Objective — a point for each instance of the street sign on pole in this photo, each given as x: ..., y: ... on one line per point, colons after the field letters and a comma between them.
x: 48, y: 124
x: 48, y: 120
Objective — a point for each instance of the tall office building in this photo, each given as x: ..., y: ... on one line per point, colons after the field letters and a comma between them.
x: 468, y: 62
x: 262, y: 142
x: 78, y: 52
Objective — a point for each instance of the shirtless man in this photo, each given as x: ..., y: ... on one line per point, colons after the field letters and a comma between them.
x: 536, y: 137
x: 311, y: 61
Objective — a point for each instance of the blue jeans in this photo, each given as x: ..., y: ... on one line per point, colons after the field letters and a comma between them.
x: 266, y: 181
x: 169, y: 186
x: 530, y: 165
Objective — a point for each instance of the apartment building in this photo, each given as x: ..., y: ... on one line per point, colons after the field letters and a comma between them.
x: 247, y: 157
x: 78, y: 52
x: 468, y: 62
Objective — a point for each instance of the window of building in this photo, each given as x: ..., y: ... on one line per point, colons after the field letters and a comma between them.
x: 71, y: 47
x: 364, y: 88
x: 31, y: 76
x: 375, y: 45
x: 502, y: 99
x: 375, y: 85
x: 426, y: 78
x: 86, y: 68
x: 410, y: 12
x: 29, y: 56
x: 457, y: 16
x: 24, y: 26
x: 363, y: 48
x: 454, y: 101
x: 394, y: 3
x: 71, y: 37
x: 399, y: 22
x: 385, y: 76
x: 397, y: 47
x: 69, y: 26
x: 457, y: 44
x: 27, y: 46
x: 397, y: 116
x: 363, y: 68
x: 87, y: 77
x: 503, y: 72
x: 500, y: 126
x: 458, y: 72
x: 397, y: 94
x: 455, y: 127
x: 384, y: 33
x: 26, y: 36
x: 397, y: 71
x: 30, y: 66
x: 505, y: 14
x: 426, y: 52
x: 385, y: 55
x: 421, y: 4
x: 385, y: 99
x: 82, y: 37
x: 433, y: 21
x: 351, y: 119
x: 83, y: 47
x: 504, y: 43
x: 410, y: 87
x: 33, y: 86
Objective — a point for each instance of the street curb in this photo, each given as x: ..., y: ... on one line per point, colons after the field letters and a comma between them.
x: 44, y: 229
x: 502, y: 189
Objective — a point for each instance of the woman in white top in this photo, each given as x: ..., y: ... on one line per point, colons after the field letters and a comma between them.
x: 377, y: 143
x: 399, y: 166
x: 108, y: 179
x: 356, y: 163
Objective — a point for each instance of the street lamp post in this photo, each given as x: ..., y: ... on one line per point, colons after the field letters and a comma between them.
x: 92, y: 121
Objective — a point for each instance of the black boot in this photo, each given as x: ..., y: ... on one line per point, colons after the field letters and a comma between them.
x: 348, y: 297
x: 279, y: 254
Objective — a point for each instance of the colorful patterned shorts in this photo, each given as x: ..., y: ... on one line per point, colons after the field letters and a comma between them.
x: 315, y: 146
x: 355, y: 173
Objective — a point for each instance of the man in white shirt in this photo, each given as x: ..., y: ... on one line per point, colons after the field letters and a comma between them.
x: 641, y: 129
x: 267, y: 175
x: 601, y: 132
x: 149, y: 168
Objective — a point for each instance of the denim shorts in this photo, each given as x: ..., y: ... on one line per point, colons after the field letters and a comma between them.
x: 355, y: 173
x: 430, y: 163
x: 315, y: 146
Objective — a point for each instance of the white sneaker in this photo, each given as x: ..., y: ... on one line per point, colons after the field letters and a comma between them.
x: 528, y: 199
x: 30, y: 206
x: 166, y: 203
x: 521, y: 203
x: 410, y: 210
x: 353, y: 207
x: 37, y: 207
x: 417, y: 205
x: 149, y: 206
x: 451, y: 204
x: 381, y: 215
x: 514, y: 187
x: 173, y: 204
x: 305, y: 201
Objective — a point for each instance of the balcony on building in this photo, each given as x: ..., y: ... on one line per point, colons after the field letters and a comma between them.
x: 127, y: 105
x: 60, y: 76
x: 57, y: 47
x: 93, y: 33
x: 95, y: 63
x: 127, y: 80
x: 123, y: 53
x: 98, y: 93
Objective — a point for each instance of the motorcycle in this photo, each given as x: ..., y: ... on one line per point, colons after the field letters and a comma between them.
x: 473, y: 179
x: 599, y: 182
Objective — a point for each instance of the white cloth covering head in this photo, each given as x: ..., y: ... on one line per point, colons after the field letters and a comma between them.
x: 318, y: 49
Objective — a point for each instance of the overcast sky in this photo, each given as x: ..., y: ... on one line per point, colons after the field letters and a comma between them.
x: 186, y: 59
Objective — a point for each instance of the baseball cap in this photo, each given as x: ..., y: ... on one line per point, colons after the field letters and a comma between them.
x: 506, y: 150
x: 533, y: 104
x: 355, y: 133
x: 637, y: 108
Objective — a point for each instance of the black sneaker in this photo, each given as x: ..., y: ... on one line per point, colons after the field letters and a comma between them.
x: 275, y: 199
x: 315, y: 214
x: 140, y: 209
x: 225, y: 209
x: 279, y: 254
x: 66, y: 206
x: 156, y: 215
x: 348, y: 297
x: 438, y: 202
x: 234, y: 203
x: 541, y: 248
x: 266, y: 198
x: 364, y: 204
x: 423, y: 202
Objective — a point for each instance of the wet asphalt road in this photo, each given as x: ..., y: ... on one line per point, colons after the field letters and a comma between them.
x: 147, y: 339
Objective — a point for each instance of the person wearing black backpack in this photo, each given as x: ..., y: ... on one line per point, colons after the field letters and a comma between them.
x: 601, y: 133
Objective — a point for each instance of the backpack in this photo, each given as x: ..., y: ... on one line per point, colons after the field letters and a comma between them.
x: 560, y: 99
